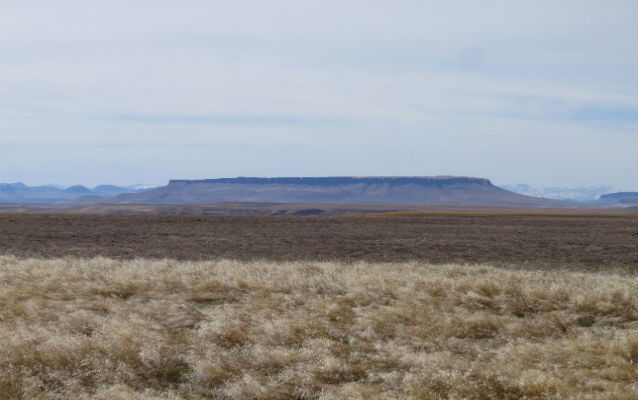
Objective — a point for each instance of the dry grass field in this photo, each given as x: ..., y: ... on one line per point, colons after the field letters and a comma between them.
x: 100, y: 328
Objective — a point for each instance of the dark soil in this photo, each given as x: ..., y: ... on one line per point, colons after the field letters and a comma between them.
x: 585, y: 242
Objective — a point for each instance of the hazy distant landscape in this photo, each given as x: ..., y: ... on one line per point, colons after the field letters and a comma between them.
x: 452, y: 191
x: 319, y: 200
x: 51, y: 194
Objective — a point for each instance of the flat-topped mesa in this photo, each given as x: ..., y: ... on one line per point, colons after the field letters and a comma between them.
x: 446, y: 190
x: 342, y: 180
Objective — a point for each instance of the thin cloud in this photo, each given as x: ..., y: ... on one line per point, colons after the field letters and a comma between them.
x: 231, y: 120
x: 623, y: 116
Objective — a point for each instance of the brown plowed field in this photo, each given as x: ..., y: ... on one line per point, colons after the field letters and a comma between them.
x: 586, y: 242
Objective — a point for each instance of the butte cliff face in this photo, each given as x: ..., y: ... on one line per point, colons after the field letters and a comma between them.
x: 442, y: 190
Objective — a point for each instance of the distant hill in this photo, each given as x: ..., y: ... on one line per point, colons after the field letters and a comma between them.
x: 77, y: 190
x: 438, y: 190
x: 46, y: 194
x: 620, y: 199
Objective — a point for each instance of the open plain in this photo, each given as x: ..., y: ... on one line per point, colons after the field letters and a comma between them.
x: 439, y: 305
x: 591, y: 242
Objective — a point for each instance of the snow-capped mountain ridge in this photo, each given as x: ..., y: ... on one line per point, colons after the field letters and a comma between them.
x: 581, y: 194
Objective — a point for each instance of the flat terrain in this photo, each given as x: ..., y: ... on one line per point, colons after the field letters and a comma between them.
x: 150, y: 307
x: 240, y: 208
x: 583, y: 242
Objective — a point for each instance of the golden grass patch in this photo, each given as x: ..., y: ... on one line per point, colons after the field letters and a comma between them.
x: 106, y: 329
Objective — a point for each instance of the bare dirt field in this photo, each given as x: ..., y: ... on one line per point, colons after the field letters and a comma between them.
x: 580, y: 242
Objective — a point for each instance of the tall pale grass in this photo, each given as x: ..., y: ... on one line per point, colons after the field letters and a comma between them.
x: 105, y: 329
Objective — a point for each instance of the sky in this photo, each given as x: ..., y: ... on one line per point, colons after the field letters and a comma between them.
x: 128, y: 92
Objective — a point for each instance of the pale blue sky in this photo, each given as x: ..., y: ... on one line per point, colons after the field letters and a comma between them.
x: 536, y: 92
